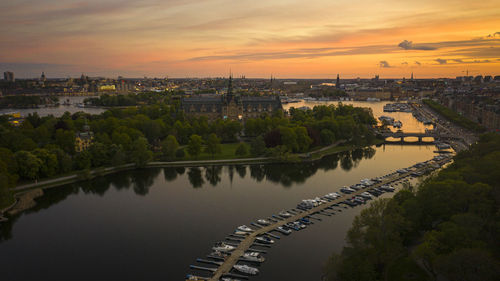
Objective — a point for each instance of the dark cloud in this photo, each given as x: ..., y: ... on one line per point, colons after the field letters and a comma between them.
x: 404, y: 63
x: 417, y: 63
x: 384, y: 64
x: 441, y: 61
x: 458, y: 60
x: 408, y: 45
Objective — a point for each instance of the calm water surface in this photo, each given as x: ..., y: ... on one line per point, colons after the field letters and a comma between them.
x: 152, y: 224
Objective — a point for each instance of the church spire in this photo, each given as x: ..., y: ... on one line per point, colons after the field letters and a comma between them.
x: 230, y: 85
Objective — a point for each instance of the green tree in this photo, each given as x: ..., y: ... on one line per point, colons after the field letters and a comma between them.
x: 194, y: 145
x: 169, y: 147
x: 241, y: 149
x: 50, y: 165
x: 303, y: 139
x: 65, y: 140
x: 140, y: 154
x: 327, y: 137
x: 258, y: 146
x: 29, y: 165
x: 82, y: 160
x: 213, y: 145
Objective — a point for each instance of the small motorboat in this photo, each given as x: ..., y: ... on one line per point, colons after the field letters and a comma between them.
x: 218, y: 255
x: 264, y: 240
x: 283, y: 230
x: 237, y: 232
x: 285, y: 214
x: 253, y: 257
x: 246, y: 269
x: 244, y: 228
x: 300, y: 224
x: 190, y: 277
x: 291, y: 225
x: 223, y: 247
x: 263, y: 222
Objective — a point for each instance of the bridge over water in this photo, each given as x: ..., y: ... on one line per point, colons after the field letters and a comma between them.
x: 420, y: 136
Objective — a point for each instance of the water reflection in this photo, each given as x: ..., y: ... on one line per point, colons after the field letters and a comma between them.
x: 140, y: 181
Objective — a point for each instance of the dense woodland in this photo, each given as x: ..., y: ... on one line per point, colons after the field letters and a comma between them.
x: 44, y: 147
x: 446, y: 229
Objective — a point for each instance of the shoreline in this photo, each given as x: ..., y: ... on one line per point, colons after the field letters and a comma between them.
x: 21, y: 192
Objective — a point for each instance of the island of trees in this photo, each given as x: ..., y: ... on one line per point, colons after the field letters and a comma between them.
x: 45, y: 147
x: 445, y: 229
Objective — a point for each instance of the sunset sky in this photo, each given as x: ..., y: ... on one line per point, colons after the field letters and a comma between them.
x: 256, y: 38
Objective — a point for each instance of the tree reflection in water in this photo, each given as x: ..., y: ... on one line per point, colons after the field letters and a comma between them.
x: 141, y: 180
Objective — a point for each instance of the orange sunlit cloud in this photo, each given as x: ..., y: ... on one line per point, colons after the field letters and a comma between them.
x: 256, y: 38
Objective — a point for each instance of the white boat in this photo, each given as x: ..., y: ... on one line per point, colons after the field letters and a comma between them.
x: 237, y: 232
x: 246, y: 269
x: 285, y: 214
x: 245, y: 228
x: 263, y: 222
x: 283, y: 230
x: 264, y: 240
x: 253, y: 256
x: 223, y: 247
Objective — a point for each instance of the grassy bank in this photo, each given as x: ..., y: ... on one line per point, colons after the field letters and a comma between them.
x: 454, y: 117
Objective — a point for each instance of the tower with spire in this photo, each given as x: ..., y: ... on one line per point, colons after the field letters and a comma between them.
x: 337, y: 84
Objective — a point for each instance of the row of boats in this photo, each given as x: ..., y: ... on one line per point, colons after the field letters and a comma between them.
x: 371, y: 188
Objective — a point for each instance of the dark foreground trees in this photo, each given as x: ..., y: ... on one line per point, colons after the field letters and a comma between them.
x: 448, y: 228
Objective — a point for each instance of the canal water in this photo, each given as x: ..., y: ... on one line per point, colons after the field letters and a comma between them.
x: 152, y: 224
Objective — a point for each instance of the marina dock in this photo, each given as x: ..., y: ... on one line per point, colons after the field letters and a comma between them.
x: 248, y: 241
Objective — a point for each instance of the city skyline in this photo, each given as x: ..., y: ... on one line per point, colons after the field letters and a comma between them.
x: 287, y: 39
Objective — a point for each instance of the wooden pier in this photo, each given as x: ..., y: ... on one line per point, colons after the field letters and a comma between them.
x: 249, y: 240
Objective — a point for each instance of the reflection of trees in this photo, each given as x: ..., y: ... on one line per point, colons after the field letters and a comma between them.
x: 257, y: 172
x: 97, y: 186
x: 346, y: 161
x: 241, y: 170
x: 369, y: 152
x: 120, y: 181
x: 195, y: 178
x: 230, y: 172
x: 180, y: 170
x: 169, y: 174
x: 213, y: 174
x: 143, y: 179
x: 285, y: 174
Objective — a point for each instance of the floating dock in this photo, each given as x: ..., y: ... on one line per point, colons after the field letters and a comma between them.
x: 249, y: 240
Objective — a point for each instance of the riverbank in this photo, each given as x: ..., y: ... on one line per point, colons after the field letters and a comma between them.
x: 315, y: 155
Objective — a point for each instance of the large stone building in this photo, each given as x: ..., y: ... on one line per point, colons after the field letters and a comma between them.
x: 230, y: 106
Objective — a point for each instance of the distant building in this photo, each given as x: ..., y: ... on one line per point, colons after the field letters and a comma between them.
x: 84, y: 139
x: 230, y: 106
x: 9, y: 76
x: 337, y: 84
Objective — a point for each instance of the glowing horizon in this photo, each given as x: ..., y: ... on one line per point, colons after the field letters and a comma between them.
x: 287, y: 39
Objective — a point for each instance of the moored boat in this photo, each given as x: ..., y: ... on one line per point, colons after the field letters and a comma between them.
x: 246, y: 269
x: 244, y: 228
x: 223, y: 247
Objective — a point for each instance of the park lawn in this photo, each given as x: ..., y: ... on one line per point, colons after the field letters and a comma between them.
x: 406, y: 269
x: 227, y: 152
